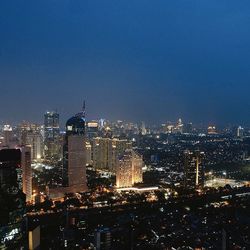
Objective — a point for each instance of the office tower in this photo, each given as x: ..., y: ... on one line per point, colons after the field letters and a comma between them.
x: 102, y: 238
x: 129, y: 169
x: 12, y: 200
x: 35, y: 140
x: 92, y: 129
x: 193, y: 169
x: 179, y: 126
x: 211, y: 130
x: 240, y: 132
x: 118, y: 148
x: 74, y: 154
x: 188, y: 128
x: 8, y: 136
x: 26, y: 172
x: 106, y: 152
x: 77, y: 163
x: 30, y: 134
x: 51, y: 135
x: 102, y: 153
x: 88, y: 153
x: 143, y: 129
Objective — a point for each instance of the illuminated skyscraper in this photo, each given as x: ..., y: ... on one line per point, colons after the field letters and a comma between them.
x: 143, y: 129
x: 51, y: 135
x: 92, y: 129
x: 30, y: 134
x: 193, y: 169
x: 211, y: 130
x: 106, y: 152
x: 129, y: 169
x: 8, y: 136
x: 35, y: 140
x: 26, y: 172
x: 240, y: 132
x: 74, y: 154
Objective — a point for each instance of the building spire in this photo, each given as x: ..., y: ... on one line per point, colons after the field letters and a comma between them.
x: 84, y: 108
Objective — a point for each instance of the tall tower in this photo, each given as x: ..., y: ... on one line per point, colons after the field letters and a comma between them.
x: 12, y: 200
x: 193, y: 169
x: 26, y: 172
x: 8, y: 136
x: 74, y: 153
x: 51, y: 135
x: 129, y: 169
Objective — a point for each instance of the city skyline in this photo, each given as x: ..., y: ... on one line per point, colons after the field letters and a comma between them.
x: 158, y: 158
x: 169, y: 60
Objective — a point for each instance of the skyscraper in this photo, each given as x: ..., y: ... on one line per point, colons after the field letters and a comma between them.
x: 92, y: 129
x: 51, y: 135
x: 129, y: 169
x: 8, y: 136
x: 30, y: 134
x: 106, y: 152
x: 26, y: 172
x: 74, y: 154
x: 193, y: 169
x: 12, y: 200
x: 102, y: 238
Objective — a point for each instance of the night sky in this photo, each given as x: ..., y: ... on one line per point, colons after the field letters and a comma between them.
x: 151, y: 60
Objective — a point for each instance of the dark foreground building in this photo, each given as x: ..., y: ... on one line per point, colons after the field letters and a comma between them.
x: 12, y: 200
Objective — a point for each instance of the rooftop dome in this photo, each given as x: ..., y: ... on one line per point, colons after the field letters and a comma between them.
x: 76, y: 125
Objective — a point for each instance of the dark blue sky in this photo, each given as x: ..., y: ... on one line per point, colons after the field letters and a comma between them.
x: 134, y: 60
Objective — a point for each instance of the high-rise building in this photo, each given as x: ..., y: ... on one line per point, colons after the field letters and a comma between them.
x: 211, y: 130
x: 129, y: 169
x: 240, y: 132
x: 8, y: 136
x: 30, y: 134
x: 106, y: 152
x: 12, y: 200
x: 102, y: 239
x: 88, y: 153
x: 92, y: 129
x: 143, y: 129
x: 51, y: 135
x: 193, y: 169
x: 26, y: 172
x: 35, y: 140
x: 74, y: 154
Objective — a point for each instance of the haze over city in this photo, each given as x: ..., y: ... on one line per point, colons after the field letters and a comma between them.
x: 138, y: 60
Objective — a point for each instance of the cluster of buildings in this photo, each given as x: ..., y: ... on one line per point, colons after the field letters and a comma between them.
x: 109, y: 148
x: 81, y: 145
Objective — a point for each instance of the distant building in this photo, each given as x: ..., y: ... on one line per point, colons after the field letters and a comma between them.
x: 51, y: 135
x: 26, y: 172
x: 8, y: 136
x: 35, y: 140
x: 31, y: 134
x: 193, y: 169
x: 188, y: 128
x: 143, y: 129
x: 179, y: 126
x: 211, y: 130
x: 92, y: 129
x: 240, y: 132
x: 129, y: 169
x: 88, y: 153
x: 106, y: 152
